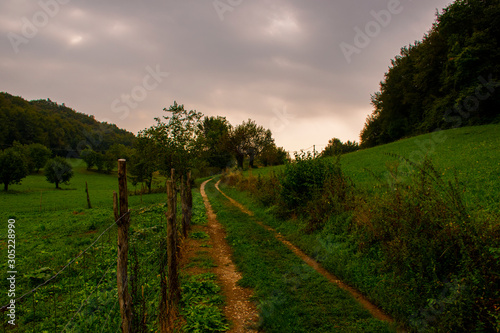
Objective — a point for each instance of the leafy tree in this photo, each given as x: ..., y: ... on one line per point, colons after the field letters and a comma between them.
x: 176, y: 136
x: 336, y: 147
x: 144, y: 161
x: 249, y: 139
x: 58, y: 171
x: 13, y: 167
x: 214, y: 142
x: 273, y: 155
x: 448, y: 79
x: 39, y: 155
x: 91, y: 158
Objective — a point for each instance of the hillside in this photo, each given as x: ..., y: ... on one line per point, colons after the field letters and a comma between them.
x: 447, y: 80
x: 469, y: 152
x: 58, y: 127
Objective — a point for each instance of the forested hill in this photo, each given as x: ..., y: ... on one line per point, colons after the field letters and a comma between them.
x: 449, y: 79
x: 58, y: 127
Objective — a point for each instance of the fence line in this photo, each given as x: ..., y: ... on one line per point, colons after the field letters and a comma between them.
x: 86, y: 301
x: 3, y: 308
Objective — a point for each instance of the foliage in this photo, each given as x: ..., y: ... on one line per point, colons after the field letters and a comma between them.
x: 335, y: 147
x: 273, y: 155
x: 175, y: 139
x: 419, y: 238
x: 304, y: 178
x: 92, y: 158
x: 39, y: 155
x: 200, y: 304
x: 214, y: 142
x: 13, y: 167
x: 64, y: 131
x: 249, y: 139
x: 58, y: 170
x: 291, y: 296
x: 446, y: 80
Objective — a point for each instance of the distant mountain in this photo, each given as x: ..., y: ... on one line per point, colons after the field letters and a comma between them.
x: 62, y: 129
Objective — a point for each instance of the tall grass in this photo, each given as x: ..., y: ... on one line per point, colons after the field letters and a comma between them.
x: 435, y: 257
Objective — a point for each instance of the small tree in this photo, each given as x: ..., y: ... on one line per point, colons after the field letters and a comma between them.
x: 90, y: 157
x: 39, y: 155
x: 58, y: 170
x: 13, y: 168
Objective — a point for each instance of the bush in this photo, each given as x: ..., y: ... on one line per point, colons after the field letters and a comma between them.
x: 430, y: 240
x: 305, y: 177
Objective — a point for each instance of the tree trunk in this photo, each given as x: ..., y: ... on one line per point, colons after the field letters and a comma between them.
x: 240, y: 158
x: 250, y: 160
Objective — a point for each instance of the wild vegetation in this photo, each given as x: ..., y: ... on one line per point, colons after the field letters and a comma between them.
x: 61, y: 129
x: 413, y: 238
x: 447, y: 80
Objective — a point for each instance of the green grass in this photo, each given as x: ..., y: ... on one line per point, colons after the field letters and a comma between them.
x: 473, y: 153
x: 26, y: 196
x: 48, y: 239
x: 292, y: 297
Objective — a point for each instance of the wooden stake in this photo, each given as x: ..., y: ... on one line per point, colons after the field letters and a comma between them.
x: 173, y: 296
x: 88, y: 197
x: 121, y: 272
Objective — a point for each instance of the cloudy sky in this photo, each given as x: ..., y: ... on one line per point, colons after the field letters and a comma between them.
x: 304, y: 69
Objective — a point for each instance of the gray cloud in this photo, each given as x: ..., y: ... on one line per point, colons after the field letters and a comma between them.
x: 262, y: 58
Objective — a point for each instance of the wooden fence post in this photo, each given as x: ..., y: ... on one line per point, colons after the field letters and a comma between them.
x: 88, y: 196
x: 187, y: 203
x: 173, y: 296
x: 121, y: 272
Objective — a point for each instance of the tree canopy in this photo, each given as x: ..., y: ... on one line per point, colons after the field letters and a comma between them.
x: 448, y: 79
x: 63, y: 130
x: 13, y: 167
x: 58, y: 170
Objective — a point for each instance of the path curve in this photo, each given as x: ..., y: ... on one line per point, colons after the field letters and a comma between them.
x: 372, y: 308
x: 239, y: 310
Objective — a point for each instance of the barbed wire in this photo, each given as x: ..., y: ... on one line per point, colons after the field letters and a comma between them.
x: 3, y: 308
x: 86, y: 301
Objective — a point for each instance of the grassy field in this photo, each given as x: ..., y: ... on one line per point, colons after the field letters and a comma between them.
x: 412, y: 248
x: 26, y: 197
x: 472, y: 153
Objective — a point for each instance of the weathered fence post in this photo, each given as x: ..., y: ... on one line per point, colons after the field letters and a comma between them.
x: 173, y: 278
x: 88, y: 196
x: 187, y: 203
x: 123, y: 223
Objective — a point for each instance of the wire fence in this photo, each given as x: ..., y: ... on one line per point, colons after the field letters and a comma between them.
x: 81, y: 295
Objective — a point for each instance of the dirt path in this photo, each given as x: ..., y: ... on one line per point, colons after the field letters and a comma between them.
x: 239, y: 310
x: 373, y: 309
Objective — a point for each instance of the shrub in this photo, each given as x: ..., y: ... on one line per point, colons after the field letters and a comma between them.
x: 429, y: 239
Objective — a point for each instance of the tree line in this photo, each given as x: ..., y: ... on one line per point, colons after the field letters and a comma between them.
x: 17, y: 162
x: 63, y: 130
x: 447, y: 80
x: 187, y: 140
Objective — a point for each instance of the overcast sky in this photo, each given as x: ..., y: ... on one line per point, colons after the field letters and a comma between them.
x: 304, y: 69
